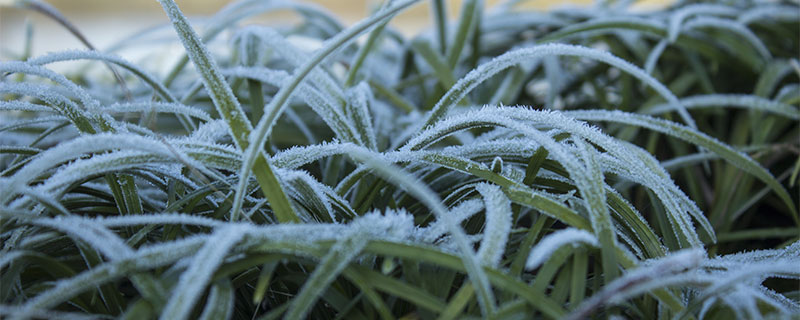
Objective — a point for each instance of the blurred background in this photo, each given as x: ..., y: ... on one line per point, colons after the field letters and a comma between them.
x: 106, y: 22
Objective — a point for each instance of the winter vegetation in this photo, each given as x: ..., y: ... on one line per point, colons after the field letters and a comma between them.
x: 580, y: 163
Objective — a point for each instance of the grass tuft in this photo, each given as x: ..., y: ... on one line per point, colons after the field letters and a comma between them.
x: 576, y: 163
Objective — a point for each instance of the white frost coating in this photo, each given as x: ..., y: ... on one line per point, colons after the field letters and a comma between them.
x: 731, y: 100
x: 156, y: 219
x: 463, y: 211
x: 278, y: 104
x: 770, y: 13
x: 22, y: 67
x: 308, y: 190
x: 145, y: 258
x: 498, y: 224
x: 523, y: 119
x: 139, y: 152
x: 742, y: 283
x: 14, y: 125
x: 10, y: 256
x: 552, y: 242
x: 677, y: 18
x: 17, y: 105
x: 215, y: 84
x: 98, y: 237
x: 298, y: 156
x: 393, y: 225
x: 16, y: 312
x: 296, y: 58
x: 194, y: 280
x: 655, y: 53
x: 639, y: 280
x: 504, y: 148
x: 44, y: 198
x: 595, y: 194
x: 105, y: 163
x: 76, y: 148
x: 266, y: 75
x: 323, y: 105
x: 46, y: 93
x: 733, y: 26
x: 212, y: 131
x: 359, y: 99
x: 640, y: 163
x: 428, y: 197
x: 733, y: 156
x: 500, y: 63
x: 347, y: 248
x: 71, y: 55
x: 163, y: 107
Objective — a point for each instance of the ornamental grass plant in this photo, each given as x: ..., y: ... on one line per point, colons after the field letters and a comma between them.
x: 579, y: 163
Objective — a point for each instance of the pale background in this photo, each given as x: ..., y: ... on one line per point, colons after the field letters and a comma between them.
x: 105, y: 22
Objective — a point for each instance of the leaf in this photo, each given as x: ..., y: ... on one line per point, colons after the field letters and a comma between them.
x: 239, y: 126
x: 278, y: 104
x: 732, y: 156
x: 502, y: 62
x: 195, y: 279
x: 498, y: 224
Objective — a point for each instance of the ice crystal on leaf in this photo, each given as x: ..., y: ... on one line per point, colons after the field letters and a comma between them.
x: 597, y: 162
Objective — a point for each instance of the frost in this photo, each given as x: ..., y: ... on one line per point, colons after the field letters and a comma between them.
x: 70, y: 55
x: 552, y: 242
x: 638, y: 162
x: 732, y: 100
x: 427, y: 196
x: 225, y: 102
x: 14, y: 312
x: 324, y: 105
x: 734, y: 157
x: 308, y: 190
x: 638, y: 280
x: 498, y: 224
x: 57, y: 102
x: 296, y: 157
x: 652, y: 58
x: 19, y: 124
x: 17, y: 105
x: 392, y: 225
x: 677, y: 18
x: 21, y: 67
x: 769, y: 12
x: 155, y: 219
x: 211, y: 131
x: 500, y: 63
x: 463, y: 211
x: 297, y: 58
x: 96, y: 236
x: 175, y: 108
x: 194, y: 280
x: 347, y: 248
x: 732, y: 26
x: 76, y: 148
x: 359, y: 99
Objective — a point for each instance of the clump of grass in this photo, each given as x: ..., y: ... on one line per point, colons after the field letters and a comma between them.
x: 577, y: 163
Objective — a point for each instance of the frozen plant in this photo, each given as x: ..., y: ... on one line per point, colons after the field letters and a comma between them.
x: 600, y: 162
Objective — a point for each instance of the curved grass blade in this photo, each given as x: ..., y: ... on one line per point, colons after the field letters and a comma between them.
x: 228, y: 106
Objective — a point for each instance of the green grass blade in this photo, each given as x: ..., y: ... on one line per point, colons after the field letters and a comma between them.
x: 228, y: 107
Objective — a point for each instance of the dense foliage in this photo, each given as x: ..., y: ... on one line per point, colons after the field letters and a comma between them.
x: 583, y: 162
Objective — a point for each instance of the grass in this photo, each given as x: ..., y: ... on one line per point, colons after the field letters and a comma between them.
x: 579, y: 163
